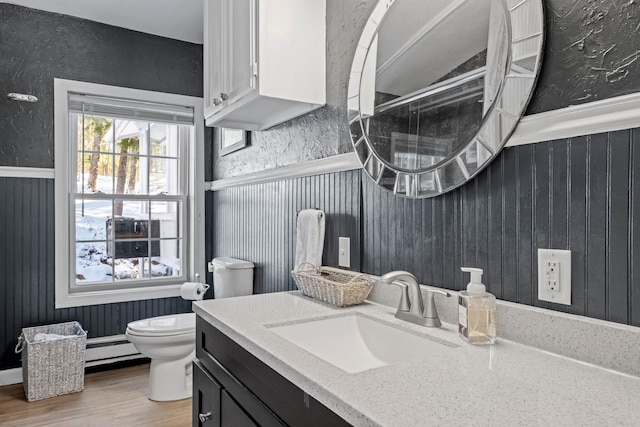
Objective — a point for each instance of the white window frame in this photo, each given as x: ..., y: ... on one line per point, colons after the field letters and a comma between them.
x: 65, y: 294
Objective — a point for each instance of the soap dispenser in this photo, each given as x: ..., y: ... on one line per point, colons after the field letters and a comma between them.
x: 476, y: 311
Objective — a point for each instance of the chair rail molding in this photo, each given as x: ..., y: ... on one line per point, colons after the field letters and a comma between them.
x: 607, y: 115
x: 339, y: 163
x: 25, y: 172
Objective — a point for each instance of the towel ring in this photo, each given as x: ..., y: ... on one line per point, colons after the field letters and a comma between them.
x: 321, y: 213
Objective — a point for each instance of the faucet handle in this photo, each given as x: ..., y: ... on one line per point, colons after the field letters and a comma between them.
x: 430, y: 313
x: 404, y: 295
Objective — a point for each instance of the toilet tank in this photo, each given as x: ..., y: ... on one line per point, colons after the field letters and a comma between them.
x: 232, y: 277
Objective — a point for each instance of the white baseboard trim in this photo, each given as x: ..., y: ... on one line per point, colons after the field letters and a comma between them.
x: 114, y: 360
x: 339, y: 163
x: 11, y: 376
x: 607, y: 115
x: 118, y: 349
x: 19, y: 172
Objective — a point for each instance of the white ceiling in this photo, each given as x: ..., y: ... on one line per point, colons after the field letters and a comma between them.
x: 175, y: 19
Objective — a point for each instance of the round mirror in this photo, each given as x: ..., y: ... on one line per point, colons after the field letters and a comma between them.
x: 437, y: 87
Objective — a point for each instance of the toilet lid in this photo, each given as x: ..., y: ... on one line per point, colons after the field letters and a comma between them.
x: 171, y: 324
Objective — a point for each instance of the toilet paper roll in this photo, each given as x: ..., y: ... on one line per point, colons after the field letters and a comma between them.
x: 193, y: 291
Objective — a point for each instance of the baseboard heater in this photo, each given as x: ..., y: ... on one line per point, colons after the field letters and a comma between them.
x: 111, y: 349
x: 100, y: 351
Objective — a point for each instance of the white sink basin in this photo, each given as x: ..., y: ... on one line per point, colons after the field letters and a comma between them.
x: 355, y: 343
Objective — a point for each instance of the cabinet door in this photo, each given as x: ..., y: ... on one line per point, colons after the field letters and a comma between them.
x: 268, y: 397
x: 232, y: 413
x: 240, y: 49
x: 206, y: 398
x: 213, y: 54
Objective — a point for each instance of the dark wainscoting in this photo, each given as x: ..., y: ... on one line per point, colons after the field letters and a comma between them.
x: 27, y: 269
x: 258, y: 223
x: 36, y: 47
x: 579, y: 194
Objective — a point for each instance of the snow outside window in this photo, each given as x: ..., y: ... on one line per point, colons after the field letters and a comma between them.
x: 127, y: 197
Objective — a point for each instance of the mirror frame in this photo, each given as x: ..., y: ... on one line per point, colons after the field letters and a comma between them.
x: 469, y: 160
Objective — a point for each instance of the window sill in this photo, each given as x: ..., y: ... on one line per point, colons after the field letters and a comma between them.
x: 79, y: 299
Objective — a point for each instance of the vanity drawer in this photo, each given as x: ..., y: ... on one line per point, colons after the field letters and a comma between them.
x: 206, y: 398
x: 289, y: 403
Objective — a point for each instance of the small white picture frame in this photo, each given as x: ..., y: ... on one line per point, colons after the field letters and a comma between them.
x: 231, y: 140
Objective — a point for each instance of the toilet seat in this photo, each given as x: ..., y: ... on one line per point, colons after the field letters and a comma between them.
x: 175, y: 324
x: 161, y: 340
x: 157, y: 336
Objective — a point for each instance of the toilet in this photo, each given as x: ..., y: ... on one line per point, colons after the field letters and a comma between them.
x: 170, y: 341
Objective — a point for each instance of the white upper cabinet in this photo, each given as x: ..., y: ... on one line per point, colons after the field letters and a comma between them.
x: 264, y: 61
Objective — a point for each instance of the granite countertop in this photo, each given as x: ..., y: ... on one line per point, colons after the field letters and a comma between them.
x: 503, y: 384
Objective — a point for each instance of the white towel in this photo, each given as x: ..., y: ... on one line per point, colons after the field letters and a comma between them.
x: 309, y: 238
x: 40, y: 337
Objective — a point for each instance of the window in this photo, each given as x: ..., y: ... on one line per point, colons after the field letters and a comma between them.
x: 128, y: 188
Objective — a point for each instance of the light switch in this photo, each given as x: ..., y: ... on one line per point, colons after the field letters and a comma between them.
x: 554, y: 276
x: 344, y: 252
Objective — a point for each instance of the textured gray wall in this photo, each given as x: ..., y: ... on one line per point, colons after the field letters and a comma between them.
x: 35, y: 47
x: 577, y: 194
x: 591, y: 53
x: 321, y: 133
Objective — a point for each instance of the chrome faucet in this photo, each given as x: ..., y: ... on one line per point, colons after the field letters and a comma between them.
x: 412, y: 308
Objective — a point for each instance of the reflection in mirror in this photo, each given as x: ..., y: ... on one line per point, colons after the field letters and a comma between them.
x: 437, y: 87
x: 424, y: 109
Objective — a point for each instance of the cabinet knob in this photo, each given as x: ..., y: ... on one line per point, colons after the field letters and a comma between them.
x: 205, y: 417
x: 218, y: 101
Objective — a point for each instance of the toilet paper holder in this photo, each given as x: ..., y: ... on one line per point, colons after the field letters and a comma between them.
x: 194, y: 291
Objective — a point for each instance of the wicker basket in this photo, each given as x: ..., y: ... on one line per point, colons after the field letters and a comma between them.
x: 52, y: 368
x: 333, y: 287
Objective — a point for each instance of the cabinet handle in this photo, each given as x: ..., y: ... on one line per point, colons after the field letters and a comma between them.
x: 205, y: 417
x: 218, y: 101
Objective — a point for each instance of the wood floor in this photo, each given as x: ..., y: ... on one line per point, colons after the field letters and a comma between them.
x: 111, y: 398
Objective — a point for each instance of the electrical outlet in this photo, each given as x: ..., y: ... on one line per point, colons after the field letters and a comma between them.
x: 554, y: 276
x: 344, y: 252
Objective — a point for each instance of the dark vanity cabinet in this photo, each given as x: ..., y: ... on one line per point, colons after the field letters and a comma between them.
x: 231, y: 387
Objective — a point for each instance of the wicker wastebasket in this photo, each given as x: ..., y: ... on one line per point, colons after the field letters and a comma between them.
x: 52, y: 367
